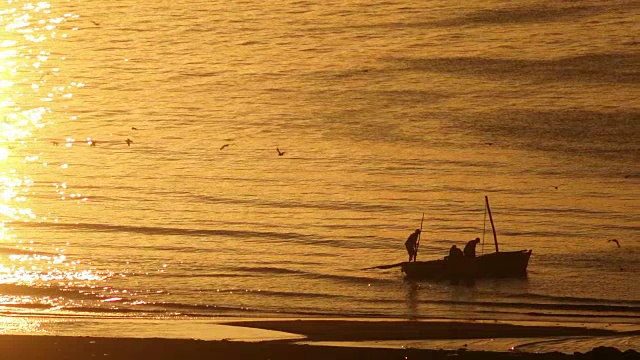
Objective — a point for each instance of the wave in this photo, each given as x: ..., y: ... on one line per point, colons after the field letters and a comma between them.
x: 267, y: 270
x: 261, y: 270
x: 156, y: 230
x: 193, y: 275
x: 322, y: 205
x: 609, y: 67
x: 45, y: 291
x: 205, y: 310
x: 127, y: 307
x: 16, y: 251
x: 602, y: 306
x: 580, y: 315
x: 272, y: 236
x: 565, y: 299
x: 284, y: 294
x: 522, y: 15
x: 612, y: 308
x: 55, y: 292
x: 499, y: 309
x: 25, y: 306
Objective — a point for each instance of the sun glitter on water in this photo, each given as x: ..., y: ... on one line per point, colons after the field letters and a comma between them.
x: 28, y: 96
x: 19, y: 112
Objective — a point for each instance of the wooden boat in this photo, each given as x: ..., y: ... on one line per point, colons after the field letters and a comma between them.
x: 495, y: 265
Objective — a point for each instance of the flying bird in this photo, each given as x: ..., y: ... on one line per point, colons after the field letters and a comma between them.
x: 280, y: 153
x: 129, y: 142
x: 95, y: 23
x: 224, y: 146
x: 134, y: 128
x: 615, y: 241
x: 556, y: 186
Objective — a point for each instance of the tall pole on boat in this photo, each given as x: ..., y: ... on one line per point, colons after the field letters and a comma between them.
x: 419, y: 236
x: 495, y: 238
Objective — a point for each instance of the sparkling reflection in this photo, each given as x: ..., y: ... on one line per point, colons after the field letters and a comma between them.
x: 18, y: 325
x: 30, y: 92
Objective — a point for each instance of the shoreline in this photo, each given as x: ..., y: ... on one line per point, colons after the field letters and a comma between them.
x: 453, y: 335
x: 372, y: 329
x: 29, y: 347
x: 321, y: 339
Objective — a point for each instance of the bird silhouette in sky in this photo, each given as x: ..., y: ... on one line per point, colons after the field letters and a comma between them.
x: 556, y: 186
x: 224, y: 146
x: 615, y: 241
x: 134, y: 128
x: 280, y: 153
x: 129, y: 142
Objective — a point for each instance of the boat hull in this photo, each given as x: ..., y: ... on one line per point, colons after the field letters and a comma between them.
x: 495, y: 265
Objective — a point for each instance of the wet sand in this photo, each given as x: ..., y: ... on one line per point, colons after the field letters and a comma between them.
x: 362, y: 330
x: 77, y: 347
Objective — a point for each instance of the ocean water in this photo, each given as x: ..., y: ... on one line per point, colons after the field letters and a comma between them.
x: 120, y: 201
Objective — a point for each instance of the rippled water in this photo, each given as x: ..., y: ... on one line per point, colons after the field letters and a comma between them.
x: 119, y: 198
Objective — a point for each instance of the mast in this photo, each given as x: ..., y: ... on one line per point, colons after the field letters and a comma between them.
x: 495, y: 238
x: 419, y: 236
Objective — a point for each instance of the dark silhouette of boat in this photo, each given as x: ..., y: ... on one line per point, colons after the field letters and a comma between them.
x: 500, y: 264
x: 495, y: 265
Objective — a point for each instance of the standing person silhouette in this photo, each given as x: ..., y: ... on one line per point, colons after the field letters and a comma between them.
x: 412, y: 244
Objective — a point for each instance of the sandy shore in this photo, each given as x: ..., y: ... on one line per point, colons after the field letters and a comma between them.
x: 25, y: 347
x: 78, y: 347
x: 362, y: 330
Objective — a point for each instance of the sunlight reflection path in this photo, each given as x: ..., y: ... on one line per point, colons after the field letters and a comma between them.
x: 31, y: 91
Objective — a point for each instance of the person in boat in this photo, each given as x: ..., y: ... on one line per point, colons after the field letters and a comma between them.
x: 455, y: 253
x: 412, y: 244
x: 470, y: 248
